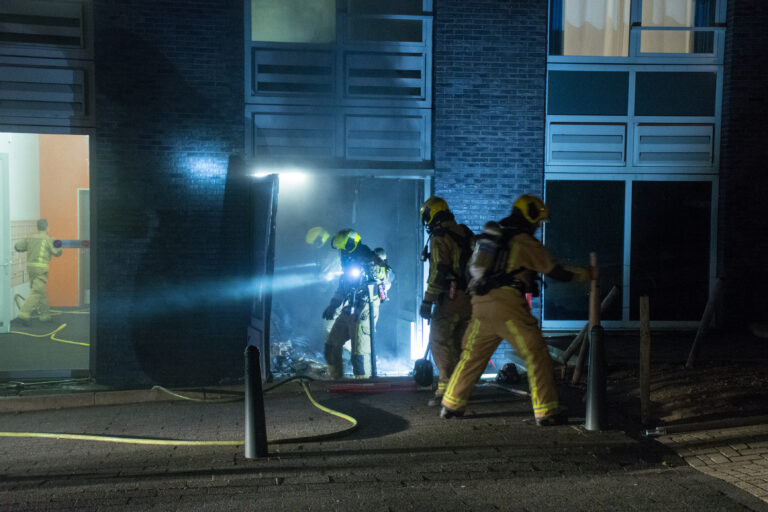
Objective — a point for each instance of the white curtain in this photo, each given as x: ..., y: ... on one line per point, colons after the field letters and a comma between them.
x: 668, y: 13
x: 596, y: 27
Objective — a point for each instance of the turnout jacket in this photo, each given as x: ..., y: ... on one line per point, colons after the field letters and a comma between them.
x: 39, y: 248
x: 447, y: 258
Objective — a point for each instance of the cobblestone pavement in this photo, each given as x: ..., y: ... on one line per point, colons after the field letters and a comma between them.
x: 737, y: 455
x: 401, y: 458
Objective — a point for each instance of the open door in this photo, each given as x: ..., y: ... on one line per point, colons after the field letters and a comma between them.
x: 263, y: 222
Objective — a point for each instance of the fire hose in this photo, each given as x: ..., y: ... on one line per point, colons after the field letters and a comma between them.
x: 303, y: 381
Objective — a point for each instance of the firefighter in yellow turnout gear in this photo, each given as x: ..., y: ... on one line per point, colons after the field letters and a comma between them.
x: 39, y: 248
x: 500, y: 309
x: 450, y: 246
x: 360, y: 266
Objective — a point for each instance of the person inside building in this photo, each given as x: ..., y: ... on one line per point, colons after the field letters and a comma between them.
x: 504, y: 267
x: 360, y: 267
x: 446, y: 301
x: 39, y: 248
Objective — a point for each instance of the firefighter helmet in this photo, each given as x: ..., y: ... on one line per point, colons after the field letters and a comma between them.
x: 317, y: 236
x: 532, y: 208
x: 432, y: 207
x: 346, y: 240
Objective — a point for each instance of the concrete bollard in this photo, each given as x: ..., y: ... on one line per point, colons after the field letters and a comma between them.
x: 596, y: 380
x: 255, y: 422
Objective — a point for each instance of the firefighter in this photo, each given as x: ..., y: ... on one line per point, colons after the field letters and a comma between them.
x: 360, y: 267
x: 39, y: 248
x: 446, y: 301
x: 500, y: 311
x: 328, y: 266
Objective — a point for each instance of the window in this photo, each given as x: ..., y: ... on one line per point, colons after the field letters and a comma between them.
x: 293, y: 21
x: 589, y: 27
x: 624, y: 28
x: 674, y: 19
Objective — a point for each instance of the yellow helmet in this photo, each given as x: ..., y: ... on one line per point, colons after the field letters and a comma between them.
x: 345, y: 240
x: 317, y: 236
x: 432, y: 207
x: 532, y: 207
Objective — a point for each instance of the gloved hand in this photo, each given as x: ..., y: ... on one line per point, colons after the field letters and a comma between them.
x: 425, y: 311
x: 330, y: 311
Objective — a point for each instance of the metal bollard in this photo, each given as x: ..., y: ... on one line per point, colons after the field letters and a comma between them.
x: 595, y: 380
x: 255, y: 423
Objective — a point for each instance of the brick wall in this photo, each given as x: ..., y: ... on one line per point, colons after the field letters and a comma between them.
x: 20, y: 229
x: 169, y: 103
x: 743, y: 227
x: 489, y: 66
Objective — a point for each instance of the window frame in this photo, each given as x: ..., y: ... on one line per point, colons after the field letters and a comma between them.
x: 625, y: 323
x: 635, y: 34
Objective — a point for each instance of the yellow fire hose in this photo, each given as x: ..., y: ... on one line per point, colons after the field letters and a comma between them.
x: 181, y: 442
x: 52, y: 334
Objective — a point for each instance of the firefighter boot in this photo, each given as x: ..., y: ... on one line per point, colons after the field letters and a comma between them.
x: 447, y: 414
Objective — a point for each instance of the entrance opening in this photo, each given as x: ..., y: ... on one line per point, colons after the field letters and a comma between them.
x: 384, y: 211
x: 45, y: 306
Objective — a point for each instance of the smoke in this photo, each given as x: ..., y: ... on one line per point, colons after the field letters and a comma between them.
x: 384, y: 211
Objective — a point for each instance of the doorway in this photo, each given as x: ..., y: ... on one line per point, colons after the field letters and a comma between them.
x: 384, y: 212
x: 44, y: 177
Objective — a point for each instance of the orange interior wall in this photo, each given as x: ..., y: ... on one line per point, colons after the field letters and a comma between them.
x: 63, y: 169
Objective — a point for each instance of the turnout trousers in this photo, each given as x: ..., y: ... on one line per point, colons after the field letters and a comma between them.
x: 357, y: 328
x: 503, y: 314
x: 449, y: 322
x: 38, y: 296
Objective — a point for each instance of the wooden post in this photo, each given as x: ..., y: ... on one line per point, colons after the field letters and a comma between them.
x: 576, y: 377
x: 608, y: 300
x: 645, y: 361
x: 594, y: 319
x: 706, y: 318
x: 594, y: 295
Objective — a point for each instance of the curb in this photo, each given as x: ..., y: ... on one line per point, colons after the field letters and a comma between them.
x: 102, y: 398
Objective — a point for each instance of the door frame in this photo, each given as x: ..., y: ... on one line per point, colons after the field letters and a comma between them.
x: 6, y: 304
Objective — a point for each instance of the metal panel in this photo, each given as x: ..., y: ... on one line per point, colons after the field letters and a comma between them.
x: 395, y: 137
x: 385, y: 75
x: 46, y: 28
x: 291, y: 72
x: 586, y: 144
x: 46, y: 92
x: 293, y: 134
x: 674, y: 144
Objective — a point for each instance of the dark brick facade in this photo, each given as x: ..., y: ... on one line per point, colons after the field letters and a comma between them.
x: 489, y: 80
x: 169, y: 103
x: 743, y: 226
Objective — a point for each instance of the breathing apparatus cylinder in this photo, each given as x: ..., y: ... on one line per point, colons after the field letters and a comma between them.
x: 484, y: 256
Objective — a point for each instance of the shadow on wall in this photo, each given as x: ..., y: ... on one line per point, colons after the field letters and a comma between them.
x: 171, y: 247
x: 190, y: 312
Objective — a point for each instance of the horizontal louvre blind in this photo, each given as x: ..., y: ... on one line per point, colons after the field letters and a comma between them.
x: 385, y: 75
x: 396, y: 138
x: 292, y: 72
x: 39, y: 27
x: 42, y: 92
x: 674, y: 144
x: 299, y: 135
x: 579, y: 144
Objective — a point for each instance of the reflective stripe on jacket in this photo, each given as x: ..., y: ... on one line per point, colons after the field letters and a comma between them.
x: 39, y: 248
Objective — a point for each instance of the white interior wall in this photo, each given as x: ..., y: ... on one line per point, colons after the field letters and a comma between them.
x: 24, y: 186
x: 24, y: 177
